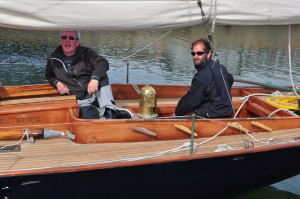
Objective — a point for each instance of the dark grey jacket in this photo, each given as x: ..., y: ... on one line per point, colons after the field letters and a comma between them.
x: 207, y: 96
x: 87, y: 65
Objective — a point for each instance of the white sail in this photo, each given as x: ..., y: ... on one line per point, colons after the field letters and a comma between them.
x: 142, y: 14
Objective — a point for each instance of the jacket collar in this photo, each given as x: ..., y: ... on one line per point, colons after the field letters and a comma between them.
x: 58, y: 53
x: 205, y: 64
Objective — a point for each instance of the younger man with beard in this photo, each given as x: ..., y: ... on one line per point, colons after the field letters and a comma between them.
x: 207, y: 96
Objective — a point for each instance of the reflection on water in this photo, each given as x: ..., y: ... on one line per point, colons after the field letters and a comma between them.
x: 290, y: 185
x: 268, y: 192
x: 257, y: 53
x: 250, y: 52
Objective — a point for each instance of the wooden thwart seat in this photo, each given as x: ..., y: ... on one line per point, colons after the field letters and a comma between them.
x: 37, y: 100
x: 27, y: 91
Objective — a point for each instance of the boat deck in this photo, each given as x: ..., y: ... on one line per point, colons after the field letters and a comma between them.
x: 62, y: 152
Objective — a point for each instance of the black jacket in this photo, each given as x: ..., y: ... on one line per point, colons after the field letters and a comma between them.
x: 87, y: 65
x: 207, y: 96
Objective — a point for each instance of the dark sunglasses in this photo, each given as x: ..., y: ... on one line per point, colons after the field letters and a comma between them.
x: 64, y: 37
x: 198, y: 53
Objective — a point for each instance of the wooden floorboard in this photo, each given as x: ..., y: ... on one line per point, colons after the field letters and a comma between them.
x: 61, y: 151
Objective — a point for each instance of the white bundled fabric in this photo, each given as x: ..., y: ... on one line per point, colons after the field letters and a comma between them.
x: 142, y: 14
x: 258, y: 12
x: 99, y: 14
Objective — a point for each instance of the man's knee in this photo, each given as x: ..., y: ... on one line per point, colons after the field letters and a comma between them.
x: 88, y: 112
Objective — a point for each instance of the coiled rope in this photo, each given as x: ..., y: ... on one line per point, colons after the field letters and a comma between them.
x: 277, y: 93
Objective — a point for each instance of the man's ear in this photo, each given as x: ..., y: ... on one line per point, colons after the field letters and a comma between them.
x: 208, y: 55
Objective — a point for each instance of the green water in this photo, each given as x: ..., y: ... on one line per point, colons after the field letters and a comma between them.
x: 250, y: 52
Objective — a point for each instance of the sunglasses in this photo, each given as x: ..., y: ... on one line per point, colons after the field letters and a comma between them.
x: 64, y: 37
x: 198, y: 53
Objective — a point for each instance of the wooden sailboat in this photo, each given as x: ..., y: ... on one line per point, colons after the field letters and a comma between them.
x: 158, y: 157
x: 115, y: 157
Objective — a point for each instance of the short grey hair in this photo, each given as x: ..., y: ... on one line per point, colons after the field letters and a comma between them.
x: 76, y: 32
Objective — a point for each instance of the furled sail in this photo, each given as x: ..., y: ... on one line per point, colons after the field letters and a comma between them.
x: 142, y: 14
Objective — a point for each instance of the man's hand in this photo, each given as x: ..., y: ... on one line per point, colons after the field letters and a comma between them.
x: 93, y: 86
x: 62, y: 89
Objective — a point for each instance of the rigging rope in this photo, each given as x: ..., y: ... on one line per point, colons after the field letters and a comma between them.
x: 282, y: 109
x: 210, y: 37
x: 152, y: 43
x: 215, y: 54
x: 14, y: 63
x: 136, y: 88
x: 158, y: 59
x: 126, y: 58
x: 290, y: 63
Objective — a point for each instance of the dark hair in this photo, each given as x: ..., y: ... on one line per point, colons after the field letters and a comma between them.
x: 205, y: 43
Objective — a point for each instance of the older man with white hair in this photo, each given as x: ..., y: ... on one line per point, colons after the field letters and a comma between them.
x: 78, y: 70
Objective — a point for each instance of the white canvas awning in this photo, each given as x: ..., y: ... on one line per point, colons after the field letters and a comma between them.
x: 142, y: 14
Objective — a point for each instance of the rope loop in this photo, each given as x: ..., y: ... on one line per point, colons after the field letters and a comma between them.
x: 136, y: 88
x: 27, y: 131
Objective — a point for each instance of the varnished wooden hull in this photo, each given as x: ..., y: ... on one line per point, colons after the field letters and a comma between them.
x: 211, y: 177
x: 110, y: 159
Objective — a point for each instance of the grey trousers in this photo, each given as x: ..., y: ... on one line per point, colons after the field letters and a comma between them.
x: 105, y: 100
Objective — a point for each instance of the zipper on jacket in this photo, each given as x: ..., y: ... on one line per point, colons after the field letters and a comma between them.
x: 67, y: 70
x: 62, y: 64
x: 78, y: 82
x: 75, y: 79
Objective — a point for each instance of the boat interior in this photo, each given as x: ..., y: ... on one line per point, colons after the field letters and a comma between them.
x: 123, y: 140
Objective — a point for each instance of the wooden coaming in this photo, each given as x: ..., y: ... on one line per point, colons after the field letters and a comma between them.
x: 121, y: 131
x: 46, y: 112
